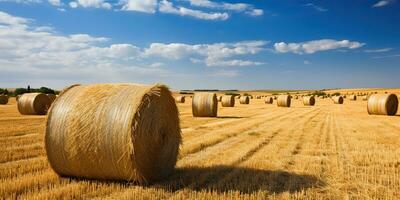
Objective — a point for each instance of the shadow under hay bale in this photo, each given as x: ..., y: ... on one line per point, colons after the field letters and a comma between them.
x: 222, y: 179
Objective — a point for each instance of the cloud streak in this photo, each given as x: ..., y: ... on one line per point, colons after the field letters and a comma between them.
x: 314, y: 46
x: 382, y: 3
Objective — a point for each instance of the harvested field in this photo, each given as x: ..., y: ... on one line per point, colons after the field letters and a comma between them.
x: 256, y: 151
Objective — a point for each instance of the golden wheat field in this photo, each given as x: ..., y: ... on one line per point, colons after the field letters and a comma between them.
x: 255, y: 151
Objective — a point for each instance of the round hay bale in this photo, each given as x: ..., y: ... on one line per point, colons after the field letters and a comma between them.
x: 34, y: 104
x: 269, y: 100
x: 365, y: 98
x: 3, y: 99
x: 114, y: 131
x: 180, y: 99
x: 17, y: 97
x: 382, y: 104
x: 275, y: 97
x: 284, y: 100
x: 309, y: 101
x: 337, y: 99
x: 205, y: 104
x: 228, y: 101
x: 219, y: 98
x: 52, y: 97
x: 244, y: 100
x: 352, y: 97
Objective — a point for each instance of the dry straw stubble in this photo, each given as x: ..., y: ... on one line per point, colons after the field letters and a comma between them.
x: 228, y: 101
x: 114, y: 131
x: 204, y: 104
x: 382, y: 104
x: 309, y: 101
x: 33, y: 104
x: 284, y: 100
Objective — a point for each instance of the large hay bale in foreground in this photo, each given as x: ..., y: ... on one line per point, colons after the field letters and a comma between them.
x: 337, y: 99
x: 33, y: 104
x: 3, y: 99
x: 114, y: 131
x: 52, y: 97
x: 244, y: 100
x: 228, y: 101
x: 352, y: 97
x: 309, y: 101
x: 284, y: 100
x: 269, y: 100
x: 205, y: 104
x: 180, y: 99
x: 382, y: 104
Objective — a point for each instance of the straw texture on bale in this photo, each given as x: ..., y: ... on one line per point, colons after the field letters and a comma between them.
x: 382, y: 104
x: 269, y: 100
x: 34, y: 104
x: 52, y: 97
x: 205, y: 105
x: 337, y: 99
x: 114, y: 131
x: 244, y: 100
x: 284, y: 100
x: 309, y: 101
x: 3, y: 99
x: 228, y: 101
x: 17, y: 97
x: 352, y: 97
x: 180, y: 99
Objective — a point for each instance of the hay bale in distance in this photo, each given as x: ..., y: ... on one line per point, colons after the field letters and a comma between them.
x: 3, y: 99
x: 205, y: 104
x: 337, y: 99
x: 284, y: 100
x: 269, y: 100
x: 309, y: 101
x: 244, y: 100
x: 114, y: 131
x: 365, y: 98
x: 228, y: 101
x: 180, y: 99
x: 34, y: 104
x: 219, y: 98
x: 353, y: 97
x: 382, y: 104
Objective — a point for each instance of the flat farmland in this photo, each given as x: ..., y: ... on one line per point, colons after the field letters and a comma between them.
x: 255, y: 151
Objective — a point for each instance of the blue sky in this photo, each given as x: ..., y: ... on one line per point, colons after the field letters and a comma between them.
x: 187, y: 44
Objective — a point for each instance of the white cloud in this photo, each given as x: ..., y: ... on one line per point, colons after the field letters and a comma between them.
x: 226, y: 73
x: 61, y: 9
x: 7, y: 19
x: 90, y: 4
x: 378, y: 50
x: 388, y: 56
x: 147, y: 6
x: 318, y: 8
x: 238, y: 7
x: 23, y: 1
x: 306, y: 62
x: 55, y: 2
x: 314, y: 46
x: 168, y: 7
x: 212, y: 54
x: 382, y: 3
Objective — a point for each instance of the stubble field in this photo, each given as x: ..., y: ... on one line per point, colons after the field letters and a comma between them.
x: 254, y: 151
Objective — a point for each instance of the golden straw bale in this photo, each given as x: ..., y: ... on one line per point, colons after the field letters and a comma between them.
x: 269, y: 100
x: 353, y: 97
x: 52, y: 97
x: 180, y: 99
x: 382, y: 104
x: 205, y: 104
x: 244, y: 100
x: 365, y: 97
x: 34, y: 104
x: 337, y: 99
x: 3, y: 99
x: 228, y: 101
x: 219, y: 98
x: 17, y: 97
x: 114, y: 131
x: 309, y: 101
x: 284, y: 100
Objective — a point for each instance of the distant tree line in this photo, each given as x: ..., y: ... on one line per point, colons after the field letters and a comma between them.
x: 19, y: 91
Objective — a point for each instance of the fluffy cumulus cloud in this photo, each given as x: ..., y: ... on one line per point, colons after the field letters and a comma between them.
x: 238, y: 7
x: 218, y: 54
x: 147, y: 6
x: 168, y: 7
x: 90, y: 4
x: 382, y: 3
x: 314, y: 46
